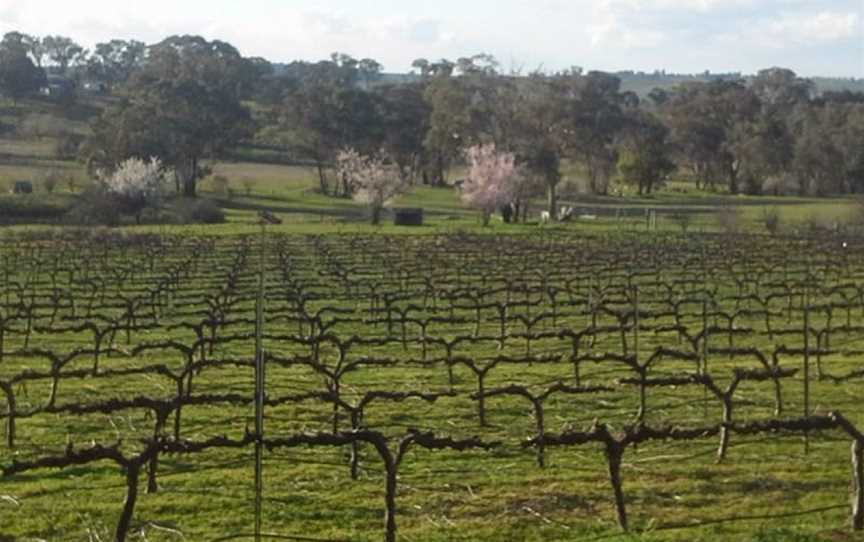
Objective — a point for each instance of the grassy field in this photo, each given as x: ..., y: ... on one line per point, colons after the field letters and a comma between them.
x: 290, y: 191
x: 767, y: 490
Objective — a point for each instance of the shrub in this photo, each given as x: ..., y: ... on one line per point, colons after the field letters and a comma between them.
x: 67, y: 146
x: 729, y: 219
x: 248, y: 185
x: 771, y: 220
x: 50, y: 179
x: 42, y: 125
x: 682, y: 220
x: 781, y: 185
x: 857, y: 217
x: 200, y: 212
x: 221, y: 185
x: 95, y: 207
x: 29, y: 208
x: 821, y: 225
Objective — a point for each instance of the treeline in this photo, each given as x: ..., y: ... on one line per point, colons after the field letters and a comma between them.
x: 771, y: 134
x: 186, y: 99
x: 181, y: 100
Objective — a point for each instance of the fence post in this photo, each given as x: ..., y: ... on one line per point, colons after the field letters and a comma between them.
x: 806, y: 365
x: 642, y: 373
x: 259, y: 391
x: 858, y: 485
x: 703, y: 369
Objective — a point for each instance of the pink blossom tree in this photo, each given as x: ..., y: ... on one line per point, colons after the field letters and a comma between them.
x: 490, y: 182
x: 371, y: 180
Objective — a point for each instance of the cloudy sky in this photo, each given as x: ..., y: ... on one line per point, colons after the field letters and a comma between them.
x: 813, y: 37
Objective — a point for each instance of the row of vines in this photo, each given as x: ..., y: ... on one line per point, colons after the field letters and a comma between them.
x: 138, y: 350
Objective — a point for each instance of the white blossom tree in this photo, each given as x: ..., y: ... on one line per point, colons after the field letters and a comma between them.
x: 490, y: 181
x: 136, y: 185
x: 348, y: 163
x: 372, y: 181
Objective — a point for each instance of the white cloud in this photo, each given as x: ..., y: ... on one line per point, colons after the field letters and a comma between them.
x: 615, y: 25
x: 822, y: 27
x: 8, y: 16
x: 282, y: 32
x: 679, y: 5
x: 314, y: 35
x: 684, y: 35
x: 796, y: 31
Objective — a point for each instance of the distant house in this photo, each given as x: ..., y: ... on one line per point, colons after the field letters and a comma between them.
x: 58, y: 87
x: 94, y: 87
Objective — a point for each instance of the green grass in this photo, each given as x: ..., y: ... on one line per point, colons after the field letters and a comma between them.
x: 291, y: 193
x: 767, y: 491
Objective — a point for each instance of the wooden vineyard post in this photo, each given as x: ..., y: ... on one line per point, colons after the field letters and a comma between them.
x: 806, y: 366
x: 858, y: 485
x: 642, y: 375
x: 857, y: 468
x: 259, y: 392
x: 703, y: 366
x: 590, y: 307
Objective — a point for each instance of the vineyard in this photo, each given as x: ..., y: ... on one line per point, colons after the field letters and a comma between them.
x: 434, y: 387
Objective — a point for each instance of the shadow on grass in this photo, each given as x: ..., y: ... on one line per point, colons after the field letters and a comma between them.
x: 340, y: 211
x: 32, y: 160
x: 693, y: 202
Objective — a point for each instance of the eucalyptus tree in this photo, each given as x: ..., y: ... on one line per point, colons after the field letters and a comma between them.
x: 542, y: 134
x: 324, y: 111
x: 19, y: 76
x: 595, y: 118
x: 183, y: 105
x: 113, y: 62
x: 404, y: 117
x: 62, y: 51
x: 703, y: 119
x: 645, y: 152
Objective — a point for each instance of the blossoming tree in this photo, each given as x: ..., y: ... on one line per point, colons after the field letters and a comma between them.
x: 136, y: 185
x: 370, y: 179
x: 490, y: 180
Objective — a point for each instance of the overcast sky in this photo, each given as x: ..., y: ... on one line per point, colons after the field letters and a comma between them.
x: 812, y: 37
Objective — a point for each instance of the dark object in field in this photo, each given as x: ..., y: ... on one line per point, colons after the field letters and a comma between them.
x: 266, y: 217
x: 408, y: 217
x: 22, y: 187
